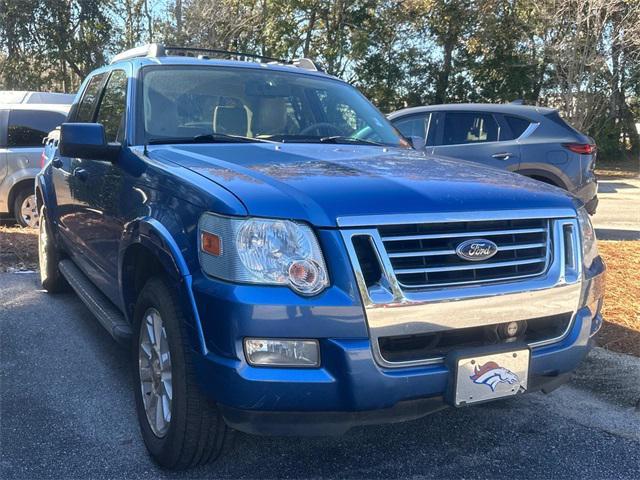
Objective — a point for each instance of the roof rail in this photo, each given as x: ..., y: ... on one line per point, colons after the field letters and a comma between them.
x: 149, y: 50
x: 157, y: 50
x: 305, y: 63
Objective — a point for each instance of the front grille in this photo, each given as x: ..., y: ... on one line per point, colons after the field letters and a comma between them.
x: 409, y: 348
x: 424, y: 255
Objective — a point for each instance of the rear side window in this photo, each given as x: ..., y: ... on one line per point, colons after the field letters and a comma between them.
x: 113, y: 105
x: 413, y: 126
x: 27, y: 128
x: 84, y: 113
x: 517, y: 125
x: 465, y: 128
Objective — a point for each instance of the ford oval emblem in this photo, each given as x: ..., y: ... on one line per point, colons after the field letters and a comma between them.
x: 477, y: 249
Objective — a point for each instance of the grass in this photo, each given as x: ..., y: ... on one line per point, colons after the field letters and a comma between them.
x: 18, y: 248
x: 620, y: 332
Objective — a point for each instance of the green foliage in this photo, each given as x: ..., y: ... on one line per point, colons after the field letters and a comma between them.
x: 580, y: 56
x: 51, y: 44
x: 607, y: 135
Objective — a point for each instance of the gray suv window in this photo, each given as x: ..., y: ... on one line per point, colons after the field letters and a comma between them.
x: 27, y: 128
x: 517, y: 125
x: 469, y: 127
x: 414, y: 126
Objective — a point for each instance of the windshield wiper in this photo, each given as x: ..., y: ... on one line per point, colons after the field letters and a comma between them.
x: 344, y: 139
x: 207, y: 138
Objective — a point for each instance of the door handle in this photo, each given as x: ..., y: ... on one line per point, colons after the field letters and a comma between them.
x: 56, y: 162
x: 502, y: 155
x: 81, y: 173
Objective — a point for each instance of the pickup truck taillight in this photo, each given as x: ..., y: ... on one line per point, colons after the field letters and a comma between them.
x: 581, y: 148
x: 43, y: 160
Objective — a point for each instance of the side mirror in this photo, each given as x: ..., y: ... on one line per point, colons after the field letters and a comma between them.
x: 86, y: 140
x: 418, y: 143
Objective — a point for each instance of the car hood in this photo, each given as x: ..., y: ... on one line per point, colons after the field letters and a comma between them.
x: 321, y: 183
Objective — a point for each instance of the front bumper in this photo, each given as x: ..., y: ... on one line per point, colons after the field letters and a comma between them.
x: 352, y: 386
x: 350, y: 389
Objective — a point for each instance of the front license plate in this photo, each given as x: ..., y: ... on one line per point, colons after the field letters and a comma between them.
x: 488, y: 377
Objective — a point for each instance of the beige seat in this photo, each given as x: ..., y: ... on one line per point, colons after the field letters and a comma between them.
x: 162, y: 119
x: 271, y: 118
x: 231, y: 120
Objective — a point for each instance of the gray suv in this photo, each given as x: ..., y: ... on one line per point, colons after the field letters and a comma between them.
x: 533, y: 141
x: 22, y: 130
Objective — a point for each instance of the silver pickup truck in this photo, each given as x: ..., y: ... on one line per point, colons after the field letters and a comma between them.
x: 22, y: 130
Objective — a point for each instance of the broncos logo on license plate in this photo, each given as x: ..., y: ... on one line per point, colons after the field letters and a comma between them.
x: 491, y: 374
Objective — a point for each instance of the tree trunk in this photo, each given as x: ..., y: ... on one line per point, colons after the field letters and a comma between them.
x: 178, y: 14
x: 629, y: 127
x: 443, y: 79
x: 307, y: 39
x: 149, y: 21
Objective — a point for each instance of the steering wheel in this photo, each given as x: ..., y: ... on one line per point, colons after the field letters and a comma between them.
x: 317, y: 126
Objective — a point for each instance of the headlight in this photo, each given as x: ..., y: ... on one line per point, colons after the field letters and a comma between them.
x: 588, y: 238
x: 265, y: 251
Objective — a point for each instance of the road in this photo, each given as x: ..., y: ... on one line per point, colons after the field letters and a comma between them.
x: 618, y: 214
x: 67, y: 412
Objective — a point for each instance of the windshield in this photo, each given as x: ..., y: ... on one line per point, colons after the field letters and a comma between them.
x: 194, y: 103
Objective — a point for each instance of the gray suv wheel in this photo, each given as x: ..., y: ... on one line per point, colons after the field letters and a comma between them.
x: 25, y: 209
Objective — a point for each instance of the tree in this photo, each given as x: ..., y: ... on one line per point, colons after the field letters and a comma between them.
x: 53, y: 42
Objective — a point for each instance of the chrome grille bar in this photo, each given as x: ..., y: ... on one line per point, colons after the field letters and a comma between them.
x: 398, y: 238
x: 427, y: 253
x: 400, y: 271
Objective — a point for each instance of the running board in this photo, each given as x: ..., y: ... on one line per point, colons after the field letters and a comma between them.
x: 106, y: 312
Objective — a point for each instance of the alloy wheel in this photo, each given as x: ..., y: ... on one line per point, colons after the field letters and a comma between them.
x: 29, y: 211
x: 154, y: 361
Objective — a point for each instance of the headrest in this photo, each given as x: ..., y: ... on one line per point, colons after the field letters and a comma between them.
x: 232, y: 120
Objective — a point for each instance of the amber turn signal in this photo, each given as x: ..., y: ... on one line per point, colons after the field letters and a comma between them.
x: 211, y: 244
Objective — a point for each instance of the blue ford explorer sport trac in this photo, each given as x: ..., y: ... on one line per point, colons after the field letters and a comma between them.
x: 281, y: 261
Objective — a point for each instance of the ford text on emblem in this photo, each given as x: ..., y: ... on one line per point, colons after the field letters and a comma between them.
x: 477, y: 249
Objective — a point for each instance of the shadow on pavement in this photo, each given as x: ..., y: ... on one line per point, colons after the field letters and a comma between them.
x: 613, y: 187
x: 617, y: 234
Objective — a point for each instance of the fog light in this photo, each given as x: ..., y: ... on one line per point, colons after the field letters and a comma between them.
x: 512, y: 331
x: 282, y: 353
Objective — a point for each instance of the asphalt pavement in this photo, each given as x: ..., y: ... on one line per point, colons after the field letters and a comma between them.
x: 67, y: 411
x: 618, y: 213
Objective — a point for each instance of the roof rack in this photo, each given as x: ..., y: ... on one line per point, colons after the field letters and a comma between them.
x: 158, y: 50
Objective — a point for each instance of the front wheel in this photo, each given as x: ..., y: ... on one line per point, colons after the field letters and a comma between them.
x: 48, y: 257
x: 180, y: 427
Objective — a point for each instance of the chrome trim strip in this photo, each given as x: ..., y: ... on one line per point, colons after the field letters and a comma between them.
x: 392, y: 311
x: 469, y: 266
x: 430, y: 253
x: 538, y: 344
x: 522, y: 246
x: 444, y: 217
x: 469, y: 282
x: 529, y: 130
x: 423, y: 253
x: 486, y: 233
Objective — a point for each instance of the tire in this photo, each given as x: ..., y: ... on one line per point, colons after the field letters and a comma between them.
x: 48, y: 258
x: 192, y: 432
x: 25, y: 208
